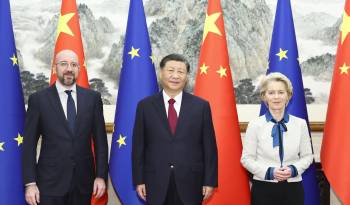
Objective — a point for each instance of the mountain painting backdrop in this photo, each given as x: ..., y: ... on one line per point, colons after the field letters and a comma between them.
x: 177, y: 26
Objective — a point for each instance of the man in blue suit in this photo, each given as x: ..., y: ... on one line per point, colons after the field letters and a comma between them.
x: 67, y: 117
x: 174, y: 153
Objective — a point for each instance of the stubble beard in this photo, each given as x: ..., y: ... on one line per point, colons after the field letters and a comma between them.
x: 67, y: 81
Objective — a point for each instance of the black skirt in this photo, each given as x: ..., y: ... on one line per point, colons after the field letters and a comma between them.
x: 282, y: 193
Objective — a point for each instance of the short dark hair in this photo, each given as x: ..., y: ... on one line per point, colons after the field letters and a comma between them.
x: 174, y: 57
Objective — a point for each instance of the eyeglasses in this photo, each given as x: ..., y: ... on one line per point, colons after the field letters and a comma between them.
x: 65, y: 64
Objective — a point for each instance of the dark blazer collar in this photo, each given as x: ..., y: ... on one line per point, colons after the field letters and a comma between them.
x: 160, y: 107
x: 56, y: 103
x: 61, y: 88
x: 81, y: 98
x: 184, y: 110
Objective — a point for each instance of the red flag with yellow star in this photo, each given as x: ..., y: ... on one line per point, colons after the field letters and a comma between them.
x: 214, y: 83
x: 69, y: 37
x: 336, y: 139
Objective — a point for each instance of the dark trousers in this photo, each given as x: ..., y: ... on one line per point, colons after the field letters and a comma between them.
x: 69, y: 199
x: 172, y: 196
x: 283, y: 193
x: 73, y: 197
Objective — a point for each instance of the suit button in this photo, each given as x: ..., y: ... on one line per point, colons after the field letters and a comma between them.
x: 172, y: 166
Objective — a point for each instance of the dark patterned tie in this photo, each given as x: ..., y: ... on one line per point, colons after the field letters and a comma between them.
x: 71, y: 111
x: 172, y: 116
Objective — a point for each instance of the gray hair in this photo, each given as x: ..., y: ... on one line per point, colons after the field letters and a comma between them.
x: 276, y: 77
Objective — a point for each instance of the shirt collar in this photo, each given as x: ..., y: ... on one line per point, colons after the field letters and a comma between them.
x: 177, y: 98
x: 61, y: 88
x: 269, y: 117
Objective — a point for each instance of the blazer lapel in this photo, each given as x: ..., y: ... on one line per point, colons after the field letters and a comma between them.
x: 160, y: 107
x: 56, y: 104
x: 80, y: 108
x: 184, y: 110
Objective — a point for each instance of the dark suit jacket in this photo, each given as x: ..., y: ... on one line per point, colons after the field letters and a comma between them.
x: 192, y: 151
x: 64, y: 155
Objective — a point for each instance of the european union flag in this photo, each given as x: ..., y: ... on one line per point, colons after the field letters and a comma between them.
x: 12, y: 114
x: 284, y: 58
x: 137, y: 80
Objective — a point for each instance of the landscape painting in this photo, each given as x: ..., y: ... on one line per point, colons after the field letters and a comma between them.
x: 177, y: 26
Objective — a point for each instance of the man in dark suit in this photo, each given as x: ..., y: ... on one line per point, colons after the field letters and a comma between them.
x: 67, y: 117
x: 174, y: 153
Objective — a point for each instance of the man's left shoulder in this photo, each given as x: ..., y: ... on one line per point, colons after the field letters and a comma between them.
x: 88, y: 91
x: 194, y: 98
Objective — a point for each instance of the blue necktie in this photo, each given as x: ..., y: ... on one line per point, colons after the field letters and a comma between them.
x: 71, y: 111
x: 277, y: 133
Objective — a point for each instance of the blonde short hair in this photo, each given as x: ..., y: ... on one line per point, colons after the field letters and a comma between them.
x: 276, y: 77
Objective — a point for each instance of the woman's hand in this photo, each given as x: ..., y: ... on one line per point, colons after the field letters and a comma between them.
x: 282, y: 174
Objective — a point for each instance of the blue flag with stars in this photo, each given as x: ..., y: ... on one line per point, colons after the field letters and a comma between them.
x: 12, y: 114
x: 137, y: 80
x: 284, y: 58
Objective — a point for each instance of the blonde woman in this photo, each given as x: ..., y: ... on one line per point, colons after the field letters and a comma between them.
x: 277, y: 147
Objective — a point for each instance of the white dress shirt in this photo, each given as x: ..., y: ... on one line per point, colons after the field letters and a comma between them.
x: 259, y: 154
x: 64, y: 96
x: 177, y: 104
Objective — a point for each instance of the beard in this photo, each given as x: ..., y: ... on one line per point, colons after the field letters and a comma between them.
x: 67, y: 79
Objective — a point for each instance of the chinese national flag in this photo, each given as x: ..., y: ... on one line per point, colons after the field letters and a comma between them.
x: 214, y: 83
x: 336, y: 140
x: 69, y: 37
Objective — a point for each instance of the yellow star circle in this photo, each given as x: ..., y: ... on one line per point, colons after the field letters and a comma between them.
x: 282, y: 54
x: 121, y: 140
x: 19, y: 139
x: 14, y: 60
x: 134, y: 52
x: 153, y: 58
x: 2, y: 146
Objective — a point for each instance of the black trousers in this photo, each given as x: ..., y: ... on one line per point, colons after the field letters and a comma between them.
x: 172, y: 196
x: 283, y: 193
x: 73, y: 197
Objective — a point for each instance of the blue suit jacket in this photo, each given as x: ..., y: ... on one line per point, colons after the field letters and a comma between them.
x: 64, y: 155
x: 192, y: 150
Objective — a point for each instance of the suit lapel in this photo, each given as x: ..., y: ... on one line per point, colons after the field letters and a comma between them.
x: 185, y: 108
x: 80, y: 108
x: 56, y: 104
x: 160, y: 107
